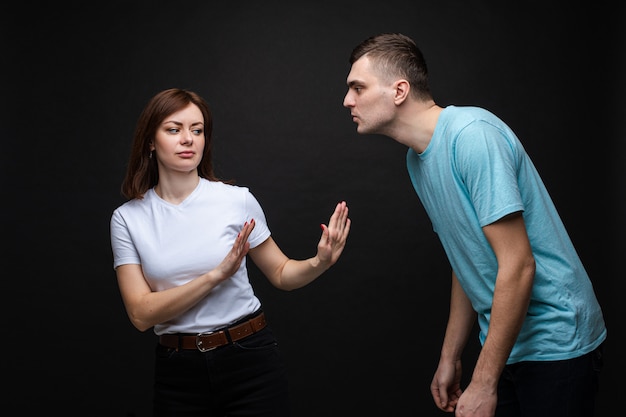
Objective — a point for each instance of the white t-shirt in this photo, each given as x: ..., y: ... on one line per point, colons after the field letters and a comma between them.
x: 177, y: 243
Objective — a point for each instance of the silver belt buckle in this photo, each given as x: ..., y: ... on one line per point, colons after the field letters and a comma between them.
x: 199, y: 342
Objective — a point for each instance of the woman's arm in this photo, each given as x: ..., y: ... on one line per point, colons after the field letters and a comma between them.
x: 288, y: 274
x: 145, y: 307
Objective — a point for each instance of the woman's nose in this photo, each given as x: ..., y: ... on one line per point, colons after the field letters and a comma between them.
x: 187, y: 138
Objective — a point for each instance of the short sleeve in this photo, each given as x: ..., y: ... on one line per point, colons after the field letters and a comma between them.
x: 487, y: 164
x: 124, y: 251
x: 254, y: 211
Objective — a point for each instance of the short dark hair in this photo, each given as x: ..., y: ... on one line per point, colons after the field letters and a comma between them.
x: 396, y: 55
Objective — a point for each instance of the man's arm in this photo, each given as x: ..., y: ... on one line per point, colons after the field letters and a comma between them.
x: 514, y: 281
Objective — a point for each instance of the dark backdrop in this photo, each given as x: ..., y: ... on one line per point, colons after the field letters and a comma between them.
x: 363, y: 339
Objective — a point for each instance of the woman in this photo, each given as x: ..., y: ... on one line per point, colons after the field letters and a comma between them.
x: 179, y: 247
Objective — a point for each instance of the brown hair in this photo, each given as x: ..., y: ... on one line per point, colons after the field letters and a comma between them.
x: 396, y: 55
x: 142, y: 171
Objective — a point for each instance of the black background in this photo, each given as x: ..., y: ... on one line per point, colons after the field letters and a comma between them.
x: 364, y: 339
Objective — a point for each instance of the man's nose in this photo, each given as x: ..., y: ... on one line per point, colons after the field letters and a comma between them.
x: 347, y: 100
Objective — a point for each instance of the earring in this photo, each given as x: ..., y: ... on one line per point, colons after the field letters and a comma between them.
x: 150, y: 156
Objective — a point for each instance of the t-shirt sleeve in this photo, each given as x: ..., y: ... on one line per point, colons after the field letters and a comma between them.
x: 124, y: 251
x: 261, y: 231
x: 487, y: 162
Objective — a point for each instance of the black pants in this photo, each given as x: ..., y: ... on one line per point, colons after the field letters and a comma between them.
x: 246, y: 378
x: 566, y: 388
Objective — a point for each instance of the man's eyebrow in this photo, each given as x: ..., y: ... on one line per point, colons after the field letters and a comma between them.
x: 353, y: 82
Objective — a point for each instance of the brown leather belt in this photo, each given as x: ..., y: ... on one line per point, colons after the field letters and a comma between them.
x: 212, y: 340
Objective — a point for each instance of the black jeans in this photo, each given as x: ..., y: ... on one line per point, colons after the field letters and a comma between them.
x: 246, y: 378
x: 566, y: 388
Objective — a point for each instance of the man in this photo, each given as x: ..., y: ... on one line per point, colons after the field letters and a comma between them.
x: 514, y: 267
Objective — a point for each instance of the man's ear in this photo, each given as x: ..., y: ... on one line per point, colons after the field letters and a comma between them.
x: 401, y: 88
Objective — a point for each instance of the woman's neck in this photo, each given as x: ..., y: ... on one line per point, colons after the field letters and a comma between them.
x: 175, y: 189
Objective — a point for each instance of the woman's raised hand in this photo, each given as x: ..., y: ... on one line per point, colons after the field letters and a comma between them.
x: 334, y: 235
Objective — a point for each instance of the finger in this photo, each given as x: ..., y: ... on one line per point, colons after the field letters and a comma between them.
x: 443, y: 397
x: 346, y: 229
x: 339, y: 215
x: 437, y: 400
x: 242, y: 238
x: 332, y: 220
x: 343, y: 214
x: 325, y: 233
x: 247, y: 228
x: 344, y: 220
x: 342, y: 226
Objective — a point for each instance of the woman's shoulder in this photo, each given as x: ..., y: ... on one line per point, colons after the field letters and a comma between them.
x: 223, y: 185
x: 132, y: 205
x: 225, y: 189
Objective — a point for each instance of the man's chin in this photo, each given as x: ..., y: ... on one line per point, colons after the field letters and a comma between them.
x: 363, y: 130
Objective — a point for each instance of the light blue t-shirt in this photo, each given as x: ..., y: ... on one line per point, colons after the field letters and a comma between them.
x: 474, y: 172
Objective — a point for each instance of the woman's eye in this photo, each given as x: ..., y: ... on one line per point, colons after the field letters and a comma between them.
x: 173, y: 130
x: 197, y: 131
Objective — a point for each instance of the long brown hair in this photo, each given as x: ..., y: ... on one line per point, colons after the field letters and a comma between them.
x: 142, y: 171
